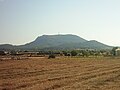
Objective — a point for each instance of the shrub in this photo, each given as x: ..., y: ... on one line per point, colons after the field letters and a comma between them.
x: 73, y: 53
x: 51, y: 56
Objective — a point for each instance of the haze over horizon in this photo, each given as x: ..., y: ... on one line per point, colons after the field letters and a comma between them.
x: 22, y: 21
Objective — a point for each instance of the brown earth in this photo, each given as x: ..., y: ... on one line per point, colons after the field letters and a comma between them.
x: 60, y: 74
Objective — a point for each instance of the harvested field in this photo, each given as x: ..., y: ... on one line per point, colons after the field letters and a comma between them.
x: 60, y: 74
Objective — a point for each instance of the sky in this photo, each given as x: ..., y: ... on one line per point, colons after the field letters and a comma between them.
x: 22, y: 21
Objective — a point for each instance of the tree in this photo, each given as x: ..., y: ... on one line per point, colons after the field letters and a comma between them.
x: 114, y: 51
x: 65, y: 53
x: 74, y: 53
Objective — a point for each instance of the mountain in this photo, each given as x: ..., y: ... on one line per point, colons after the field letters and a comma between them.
x: 6, y: 46
x: 58, y: 42
x: 46, y: 41
x: 95, y: 45
x: 84, y: 45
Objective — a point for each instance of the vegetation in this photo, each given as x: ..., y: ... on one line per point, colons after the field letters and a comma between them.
x: 51, y: 56
x: 114, y: 51
x: 74, y: 53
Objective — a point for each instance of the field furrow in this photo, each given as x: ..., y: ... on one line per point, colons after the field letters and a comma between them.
x: 61, y: 74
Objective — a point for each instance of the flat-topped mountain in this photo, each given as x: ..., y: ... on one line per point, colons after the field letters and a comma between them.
x: 68, y: 41
x: 54, y: 40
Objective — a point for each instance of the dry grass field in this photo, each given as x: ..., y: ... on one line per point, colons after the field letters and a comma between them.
x: 60, y: 74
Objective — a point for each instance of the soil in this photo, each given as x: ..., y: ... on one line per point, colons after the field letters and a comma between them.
x: 62, y: 73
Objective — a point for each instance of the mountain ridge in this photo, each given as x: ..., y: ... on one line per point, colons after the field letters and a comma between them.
x: 68, y: 41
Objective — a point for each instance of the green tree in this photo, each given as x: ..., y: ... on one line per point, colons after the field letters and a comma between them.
x: 74, y: 53
x: 114, y: 51
x: 64, y: 52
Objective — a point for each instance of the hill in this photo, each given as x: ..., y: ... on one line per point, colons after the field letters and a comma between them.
x: 6, y: 46
x: 84, y: 45
x: 47, y: 41
x: 59, y: 42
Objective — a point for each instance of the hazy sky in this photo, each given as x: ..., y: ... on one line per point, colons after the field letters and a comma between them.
x: 21, y: 21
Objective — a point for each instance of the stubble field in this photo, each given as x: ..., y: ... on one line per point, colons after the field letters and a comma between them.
x: 60, y: 74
